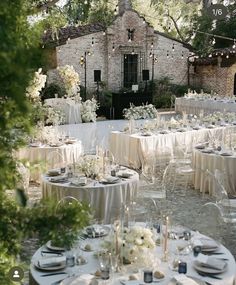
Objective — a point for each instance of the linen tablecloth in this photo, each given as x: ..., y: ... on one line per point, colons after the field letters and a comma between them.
x: 194, y: 106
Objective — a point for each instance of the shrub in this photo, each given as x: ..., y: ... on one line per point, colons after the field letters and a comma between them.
x: 51, y: 90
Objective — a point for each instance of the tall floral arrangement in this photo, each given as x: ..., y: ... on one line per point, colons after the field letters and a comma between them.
x: 71, y: 79
x: 88, y: 110
x: 36, y: 85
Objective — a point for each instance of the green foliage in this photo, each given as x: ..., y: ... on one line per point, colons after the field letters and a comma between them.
x: 63, y: 221
x: 51, y: 90
x: 174, y: 17
x: 226, y: 27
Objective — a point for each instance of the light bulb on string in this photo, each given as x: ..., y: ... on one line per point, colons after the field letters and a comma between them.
x: 144, y: 21
x: 213, y: 41
x: 113, y: 47
x: 210, y: 55
x: 173, y: 47
x: 222, y: 53
x: 150, y: 54
x: 152, y: 45
x: 132, y: 52
x: 227, y: 56
x: 169, y: 29
x: 129, y: 40
x: 234, y: 45
x: 92, y: 41
x: 85, y: 2
x: 167, y: 55
x: 156, y: 59
x: 182, y: 55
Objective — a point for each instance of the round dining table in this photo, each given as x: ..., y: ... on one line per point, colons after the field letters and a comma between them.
x: 43, y: 156
x: 106, y: 199
x: 226, y: 276
x: 208, y: 159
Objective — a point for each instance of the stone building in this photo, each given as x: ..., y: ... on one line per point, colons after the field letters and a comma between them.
x: 119, y: 53
x: 216, y: 73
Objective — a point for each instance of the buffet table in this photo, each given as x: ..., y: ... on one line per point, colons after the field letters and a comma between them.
x: 69, y: 108
x: 207, y: 158
x: 195, y: 106
x: 42, y: 157
x: 106, y: 199
x: 226, y: 277
x: 131, y: 149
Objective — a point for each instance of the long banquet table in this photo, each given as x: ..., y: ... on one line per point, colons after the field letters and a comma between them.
x: 195, y: 106
x: 203, y: 160
x: 92, y: 265
x: 42, y: 157
x: 105, y: 199
x: 131, y: 149
x: 69, y: 108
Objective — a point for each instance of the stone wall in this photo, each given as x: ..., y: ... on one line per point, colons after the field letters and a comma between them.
x: 214, y: 77
x: 110, y: 61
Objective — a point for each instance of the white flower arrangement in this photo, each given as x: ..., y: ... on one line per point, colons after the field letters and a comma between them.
x: 36, y: 85
x: 147, y: 111
x: 71, y: 80
x: 88, y: 110
x: 47, y: 135
x: 53, y: 115
x: 89, y: 165
x: 136, y: 245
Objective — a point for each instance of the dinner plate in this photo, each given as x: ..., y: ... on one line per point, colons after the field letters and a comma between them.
x: 198, y: 281
x: 54, y: 248
x: 60, y: 266
x: 204, y: 269
x: 226, y: 154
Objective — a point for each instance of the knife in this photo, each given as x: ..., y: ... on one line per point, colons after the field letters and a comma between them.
x: 55, y: 273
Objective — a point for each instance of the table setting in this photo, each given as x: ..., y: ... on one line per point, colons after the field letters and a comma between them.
x: 216, y: 156
x: 95, y: 179
x: 139, y: 261
x: 129, y: 149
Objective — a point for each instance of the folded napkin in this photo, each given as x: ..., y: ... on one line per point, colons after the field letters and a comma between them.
x: 111, y: 178
x: 205, y: 243
x: 84, y: 279
x: 184, y: 280
x: 58, y: 179
x: 210, y: 262
x: 52, y: 261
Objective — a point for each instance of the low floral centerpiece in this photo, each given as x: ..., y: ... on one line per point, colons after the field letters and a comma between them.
x: 147, y: 111
x: 89, y: 165
x: 133, y: 245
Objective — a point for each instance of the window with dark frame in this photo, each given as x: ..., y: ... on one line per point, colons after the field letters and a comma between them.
x: 130, y: 70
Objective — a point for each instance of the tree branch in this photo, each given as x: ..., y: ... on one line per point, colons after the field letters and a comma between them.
x: 176, y: 27
x: 45, y: 6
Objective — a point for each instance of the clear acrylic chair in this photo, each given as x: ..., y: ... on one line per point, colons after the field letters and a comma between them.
x: 55, y: 159
x: 225, y: 206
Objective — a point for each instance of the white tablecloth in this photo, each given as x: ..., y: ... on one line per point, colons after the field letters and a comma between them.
x: 47, y: 157
x: 194, y: 106
x: 92, y: 266
x: 69, y: 108
x: 106, y: 200
x: 130, y: 150
x: 203, y: 161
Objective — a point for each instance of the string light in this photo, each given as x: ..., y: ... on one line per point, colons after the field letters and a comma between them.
x: 113, y: 47
x: 92, y: 41
x: 213, y: 41
x: 173, y: 47
x: 210, y: 55
x: 169, y: 29
x: 129, y: 40
x: 167, y: 55
x: 132, y: 52
x: 227, y: 56
x: 152, y: 45
x: 104, y: 33
x: 155, y: 59
x: 150, y: 54
x: 234, y: 45
x: 182, y: 55
x: 144, y: 21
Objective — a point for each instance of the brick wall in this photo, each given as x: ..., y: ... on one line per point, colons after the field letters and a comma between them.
x: 216, y: 78
x: 110, y: 62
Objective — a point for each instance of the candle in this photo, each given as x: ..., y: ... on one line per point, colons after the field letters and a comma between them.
x: 166, y: 236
